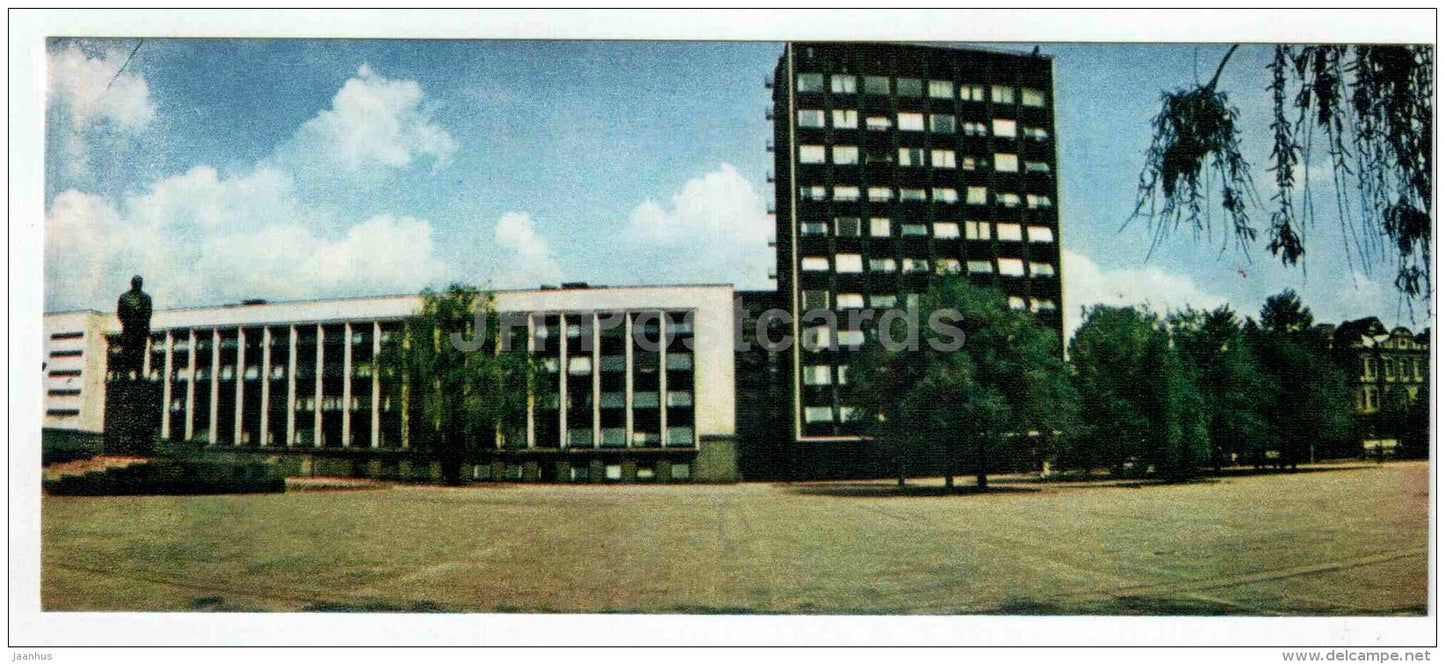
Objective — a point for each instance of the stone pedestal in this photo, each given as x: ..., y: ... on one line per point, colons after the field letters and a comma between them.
x: 132, y: 417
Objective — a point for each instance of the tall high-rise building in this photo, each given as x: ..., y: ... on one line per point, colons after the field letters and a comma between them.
x: 895, y: 164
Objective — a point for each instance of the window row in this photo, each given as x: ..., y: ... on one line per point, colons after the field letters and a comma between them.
x: 884, y: 227
x: 853, y: 264
x: 916, y: 87
x: 849, y: 155
x: 815, y: 300
x: 972, y: 195
x: 940, y: 123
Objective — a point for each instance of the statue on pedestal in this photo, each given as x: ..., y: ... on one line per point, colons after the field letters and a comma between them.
x: 134, y: 311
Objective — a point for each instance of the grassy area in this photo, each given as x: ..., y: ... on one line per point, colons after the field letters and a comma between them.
x: 1343, y: 542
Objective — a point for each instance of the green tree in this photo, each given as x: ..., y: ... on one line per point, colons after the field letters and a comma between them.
x: 971, y: 406
x: 1138, y: 398
x: 1230, y: 380
x: 1310, y: 414
x: 1368, y: 107
x: 465, y: 390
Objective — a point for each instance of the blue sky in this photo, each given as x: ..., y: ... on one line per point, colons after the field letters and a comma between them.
x: 228, y: 169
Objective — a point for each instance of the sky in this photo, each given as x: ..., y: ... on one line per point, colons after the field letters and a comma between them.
x: 223, y: 170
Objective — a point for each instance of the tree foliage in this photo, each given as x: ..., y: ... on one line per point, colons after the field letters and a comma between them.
x: 459, y: 401
x: 975, y: 407
x: 1140, y: 402
x: 1369, y: 107
x: 1231, y: 382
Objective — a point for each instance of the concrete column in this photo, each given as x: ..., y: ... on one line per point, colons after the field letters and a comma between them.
x: 191, y: 385
x: 376, y: 383
x: 215, y: 384
x: 346, y: 385
x: 663, y: 324
x: 596, y: 381
x: 265, y: 425
x: 320, y: 365
x: 240, y: 384
x: 167, y: 380
x: 291, y: 388
x: 562, y: 380
x: 532, y: 396
x: 627, y: 377
x: 145, y: 363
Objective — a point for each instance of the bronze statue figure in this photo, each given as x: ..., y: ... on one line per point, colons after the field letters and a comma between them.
x: 134, y: 311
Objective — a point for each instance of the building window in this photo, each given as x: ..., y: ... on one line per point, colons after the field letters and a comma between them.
x: 1006, y: 163
x: 971, y: 92
x: 1369, y: 369
x: 849, y: 263
x: 810, y: 118
x: 813, y: 228
x: 845, y: 193
x: 681, y: 471
x: 1016, y: 302
x: 945, y: 195
x: 1042, y: 304
x: 1041, y: 234
x: 940, y: 89
x: 883, y: 301
x: 910, y: 156
x: 847, y: 226
x: 915, y: 265
x: 1039, y: 202
x: 949, y: 266
x: 943, y: 159
x: 884, y: 265
x: 1010, y: 232
x: 1036, y: 167
x: 1011, y: 267
x: 879, y: 123
x: 969, y: 163
x: 975, y: 129
x: 976, y: 230
x: 912, y: 195
x: 812, y: 154
x: 875, y: 85
x: 1034, y: 133
x: 1041, y: 269
x: 913, y: 230
x: 815, y: 264
x: 1389, y: 368
x: 976, y: 195
x: 810, y: 82
x: 1009, y: 200
x: 1031, y: 97
x: 844, y: 84
x: 880, y: 194
x: 879, y: 227
x: 850, y: 301
x: 946, y: 230
x: 942, y: 124
x: 613, y: 472
x: 815, y: 192
x: 812, y: 414
x: 815, y: 299
x: 1003, y: 94
x: 845, y: 155
x: 910, y: 87
x: 1005, y: 128
x: 817, y: 374
x: 980, y: 267
x: 910, y: 121
x: 845, y: 119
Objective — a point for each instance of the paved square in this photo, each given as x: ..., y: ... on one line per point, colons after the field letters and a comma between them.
x: 1334, y: 542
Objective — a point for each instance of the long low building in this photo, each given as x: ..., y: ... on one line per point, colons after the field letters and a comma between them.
x: 300, y: 381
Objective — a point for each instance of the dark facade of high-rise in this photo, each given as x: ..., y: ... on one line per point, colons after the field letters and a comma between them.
x: 896, y: 164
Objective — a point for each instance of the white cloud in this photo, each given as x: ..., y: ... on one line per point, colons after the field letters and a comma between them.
x: 1086, y: 284
x: 717, y: 229
x: 529, y: 260
x: 374, y: 123
x: 199, y: 238
x: 91, y: 97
